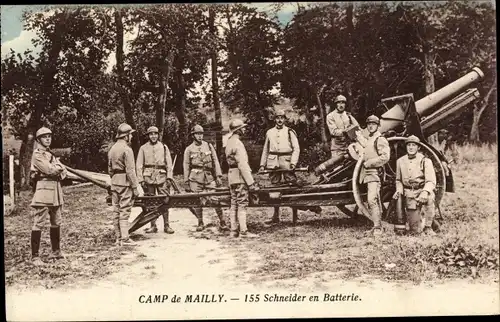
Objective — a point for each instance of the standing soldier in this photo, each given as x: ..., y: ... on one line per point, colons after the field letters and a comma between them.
x: 240, y: 179
x: 338, y: 122
x: 154, y: 167
x: 376, y: 154
x: 415, y: 183
x: 46, y: 174
x: 202, y: 172
x: 124, y: 183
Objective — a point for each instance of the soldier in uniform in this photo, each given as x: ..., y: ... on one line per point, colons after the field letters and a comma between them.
x: 415, y: 183
x: 154, y: 167
x: 46, y: 174
x: 281, y: 151
x: 124, y: 183
x: 202, y: 172
x: 338, y: 122
x: 240, y: 179
x: 376, y: 154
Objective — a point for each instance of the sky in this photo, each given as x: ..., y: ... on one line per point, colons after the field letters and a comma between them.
x: 16, y: 37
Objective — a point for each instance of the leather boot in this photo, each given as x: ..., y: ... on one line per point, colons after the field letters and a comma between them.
x: 125, y: 240
x: 35, y: 247
x: 222, y: 222
x: 55, y: 241
x: 118, y: 234
x: 153, y: 229
x: 166, y: 225
x: 276, y: 217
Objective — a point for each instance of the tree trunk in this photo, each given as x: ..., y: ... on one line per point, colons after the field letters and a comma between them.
x: 162, y: 99
x: 429, y: 58
x: 180, y: 111
x: 215, y: 85
x: 322, y: 123
x: 127, y: 107
x: 45, y: 99
x: 478, y: 112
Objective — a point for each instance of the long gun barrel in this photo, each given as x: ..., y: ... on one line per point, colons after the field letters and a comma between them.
x: 426, y: 106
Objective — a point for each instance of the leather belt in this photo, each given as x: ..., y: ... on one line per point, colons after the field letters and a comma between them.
x: 233, y: 167
x: 154, y: 166
x: 280, y: 153
x: 414, y: 187
x: 119, y: 171
x: 49, y: 179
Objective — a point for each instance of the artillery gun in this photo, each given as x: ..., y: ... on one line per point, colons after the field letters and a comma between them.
x: 337, y: 178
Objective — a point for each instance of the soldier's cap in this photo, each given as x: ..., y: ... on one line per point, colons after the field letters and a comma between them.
x: 42, y: 131
x: 412, y: 139
x: 236, y: 124
x: 123, y: 130
x: 279, y: 112
x: 340, y: 98
x: 197, y: 129
x: 152, y: 129
x: 373, y: 119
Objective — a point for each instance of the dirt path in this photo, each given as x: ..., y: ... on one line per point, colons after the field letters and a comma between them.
x: 183, y: 265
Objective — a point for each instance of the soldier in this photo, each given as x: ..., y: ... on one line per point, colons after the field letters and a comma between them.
x: 240, y: 179
x: 124, y: 183
x: 415, y: 182
x: 281, y: 151
x: 202, y: 172
x: 376, y: 154
x: 338, y: 122
x: 46, y: 174
x: 154, y: 167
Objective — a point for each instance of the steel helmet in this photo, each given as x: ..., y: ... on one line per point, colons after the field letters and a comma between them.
x: 412, y: 139
x: 152, y: 129
x: 340, y: 98
x: 123, y: 130
x: 197, y: 129
x: 279, y: 112
x: 236, y: 124
x: 42, y: 131
x: 373, y: 119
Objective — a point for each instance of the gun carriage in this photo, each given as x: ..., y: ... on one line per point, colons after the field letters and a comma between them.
x: 337, y: 178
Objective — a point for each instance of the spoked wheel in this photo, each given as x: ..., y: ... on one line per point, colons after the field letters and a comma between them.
x: 398, y: 149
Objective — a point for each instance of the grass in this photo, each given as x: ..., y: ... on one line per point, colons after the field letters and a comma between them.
x: 331, y: 242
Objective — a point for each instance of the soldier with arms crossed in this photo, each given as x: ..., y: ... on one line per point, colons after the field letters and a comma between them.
x: 415, y: 183
x: 124, y: 183
x: 202, y: 172
x: 240, y: 179
x: 376, y: 153
x: 46, y: 174
x: 154, y: 167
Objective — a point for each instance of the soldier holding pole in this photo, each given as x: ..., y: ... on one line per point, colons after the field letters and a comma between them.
x: 154, y: 167
x: 415, y: 184
x: 46, y: 174
x: 202, y: 172
x: 124, y: 183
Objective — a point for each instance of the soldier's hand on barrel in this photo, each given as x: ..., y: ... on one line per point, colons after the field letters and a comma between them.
x: 359, y: 135
x: 261, y: 169
x: 218, y: 182
x: 292, y: 166
x: 187, y: 187
x: 139, y: 192
x: 396, y: 195
x: 253, y: 187
x: 423, y: 197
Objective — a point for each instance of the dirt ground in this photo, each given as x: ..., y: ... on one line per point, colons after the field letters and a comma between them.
x: 189, y: 263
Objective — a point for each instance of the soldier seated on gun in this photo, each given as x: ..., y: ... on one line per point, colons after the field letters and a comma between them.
x: 281, y: 152
x: 339, y: 123
x: 415, y: 183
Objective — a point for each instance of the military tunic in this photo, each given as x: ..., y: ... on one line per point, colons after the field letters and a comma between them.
x: 337, y: 124
x: 414, y: 175
x: 239, y: 178
x: 281, y: 149
x: 48, y: 197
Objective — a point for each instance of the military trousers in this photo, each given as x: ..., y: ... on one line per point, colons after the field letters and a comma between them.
x: 43, y: 214
x: 374, y: 202
x: 239, y: 203
x: 201, y: 187
x: 160, y: 189
x: 419, y: 215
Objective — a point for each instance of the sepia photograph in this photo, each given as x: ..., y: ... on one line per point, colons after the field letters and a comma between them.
x: 250, y: 160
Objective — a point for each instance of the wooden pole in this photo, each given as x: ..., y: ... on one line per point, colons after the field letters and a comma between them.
x: 11, y: 178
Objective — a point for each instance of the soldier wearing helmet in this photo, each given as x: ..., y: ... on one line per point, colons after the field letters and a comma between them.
x: 339, y: 122
x: 415, y: 183
x: 124, y: 183
x: 376, y: 153
x: 202, y: 172
x: 281, y: 151
x: 240, y: 179
x: 154, y: 167
x: 46, y: 173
